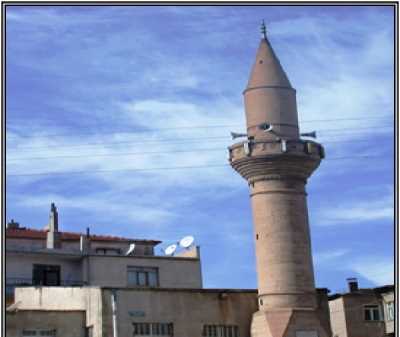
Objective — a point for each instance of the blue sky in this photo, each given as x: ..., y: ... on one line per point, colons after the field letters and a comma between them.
x: 121, y: 89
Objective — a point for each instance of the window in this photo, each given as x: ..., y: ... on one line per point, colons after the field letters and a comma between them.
x: 108, y: 251
x: 153, y: 329
x: 390, y: 311
x: 142, y: 276
x: 39, y: 332
x: 148, y: 250
x: 47, y: 332
x: 372, y: 313
x: 213, y: 330
x: 46, y: 275
x: 89, y: 331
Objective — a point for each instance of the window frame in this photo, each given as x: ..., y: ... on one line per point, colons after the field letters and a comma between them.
x: 41, y: 273
x: 372, y: 309
x: 153, y: 329
x: 39, y: 332
x: 390, y: 311
x: 220, y: 330
x: 141, y: 271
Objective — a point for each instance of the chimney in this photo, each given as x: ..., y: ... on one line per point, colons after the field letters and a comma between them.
x: 53, y: 223
x: 352, y: 284
x: 85, y: 242
x: 53, y: 235
x: 12, y: 224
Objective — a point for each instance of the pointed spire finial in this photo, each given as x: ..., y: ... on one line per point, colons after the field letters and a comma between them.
x: 263, y: 30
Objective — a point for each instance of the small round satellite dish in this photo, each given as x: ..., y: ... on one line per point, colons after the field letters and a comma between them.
x: 170, y: 249
x: 187, y: 241
x: 131, y: 249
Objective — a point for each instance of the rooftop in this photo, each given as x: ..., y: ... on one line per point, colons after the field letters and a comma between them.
x: 40, y: 234
x: 364, y: 291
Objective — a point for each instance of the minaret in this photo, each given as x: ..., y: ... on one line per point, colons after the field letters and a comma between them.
x: 276, y: 163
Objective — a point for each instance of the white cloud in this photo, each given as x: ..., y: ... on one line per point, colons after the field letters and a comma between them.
x: 327, y: 257
x: 107, y: 206
x: 359, y: 211
x: 378, y: 270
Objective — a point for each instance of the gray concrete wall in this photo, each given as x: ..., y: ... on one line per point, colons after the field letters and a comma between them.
x: 34, y: 244
x: 108, y: 271
x: 356, y: 324
x: 323, y: 309
x: 188, y: 310
x: 20, y: 265
x: 193, y: 251
x: 347, y: 316
x: 389, y: 324
x: 174, y: 272
x: 56, y: 299
x: 25, y: 244
x: 338, y: 318
x: 67, y: 323
x: 140, y: 249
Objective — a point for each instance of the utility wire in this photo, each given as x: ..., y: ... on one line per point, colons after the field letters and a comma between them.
x: 145, y: 153
x: 184, y: 140
x: 164, y: 168
x: 194, y: 127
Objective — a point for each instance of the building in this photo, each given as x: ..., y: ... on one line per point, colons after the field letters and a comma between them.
x: 54, y: 258
x: 363, y: 312
x: 71, y: 285
x: 276, y: 162
x: 87, y: 285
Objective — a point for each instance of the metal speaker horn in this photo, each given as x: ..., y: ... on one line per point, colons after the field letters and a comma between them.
x: 312, y: 134
x: 235, y: 135
x: 266, y: 127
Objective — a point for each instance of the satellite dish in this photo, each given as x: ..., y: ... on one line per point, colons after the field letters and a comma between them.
x: 131, y: 249
x: 186, y: 242
x: 170, y: 250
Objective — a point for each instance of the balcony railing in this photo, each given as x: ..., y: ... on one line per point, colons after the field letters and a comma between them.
x: 12, y: 282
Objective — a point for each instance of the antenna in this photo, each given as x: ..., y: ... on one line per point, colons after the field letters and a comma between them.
x: 170, y: 250
x: 263, y: 30
x: 131, y: 249
x: 238, y: 135
x: 186, y: 242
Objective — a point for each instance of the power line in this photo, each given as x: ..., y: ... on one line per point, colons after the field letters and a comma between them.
x: 200, y: 127
x: 184, y: 140
x: 146, y: 152
x: 165, y: 168
x: 120, y: 154
x: 121, y: 170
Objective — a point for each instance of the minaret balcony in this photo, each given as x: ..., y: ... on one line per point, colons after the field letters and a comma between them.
x: 279, y: 159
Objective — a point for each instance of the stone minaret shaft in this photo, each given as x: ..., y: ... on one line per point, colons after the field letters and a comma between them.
x: 276, y: 163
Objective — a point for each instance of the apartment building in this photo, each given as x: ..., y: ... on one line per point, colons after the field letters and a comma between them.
x: 363, y: 312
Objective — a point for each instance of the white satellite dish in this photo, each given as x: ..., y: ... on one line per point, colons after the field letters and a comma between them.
x: 170, y: 250
x: 186, y: 242
x: 131, y: 249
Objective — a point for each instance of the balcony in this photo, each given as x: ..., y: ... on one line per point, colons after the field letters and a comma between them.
x: 12, y: 282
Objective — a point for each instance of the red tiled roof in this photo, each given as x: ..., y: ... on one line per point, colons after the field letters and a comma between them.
x: 29, y: 233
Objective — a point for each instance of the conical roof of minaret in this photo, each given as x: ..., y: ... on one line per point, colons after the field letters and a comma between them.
x: 267, y: 70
